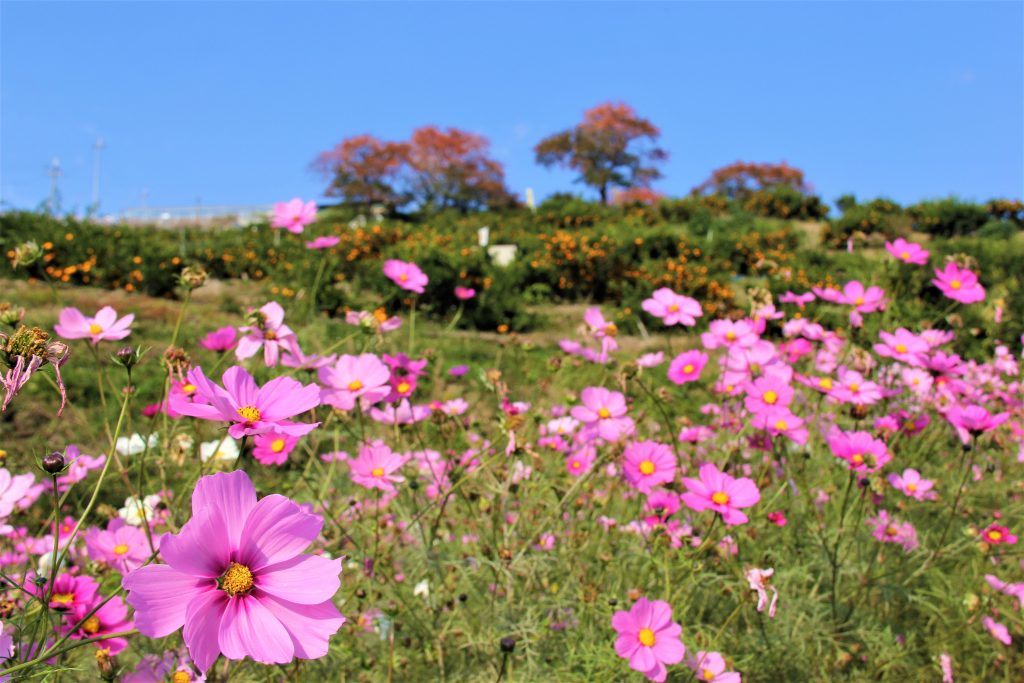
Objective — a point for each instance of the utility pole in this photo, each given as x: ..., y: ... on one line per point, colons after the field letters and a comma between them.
x: 96, y: 175
x: 54, y: 174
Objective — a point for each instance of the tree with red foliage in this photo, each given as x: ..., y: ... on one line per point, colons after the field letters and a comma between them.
x: 450, y: 169
x: 437, y: 169
x: 636, y: 195
x: 612, y: 147
x: 740, y: 179
x: 365, y: 170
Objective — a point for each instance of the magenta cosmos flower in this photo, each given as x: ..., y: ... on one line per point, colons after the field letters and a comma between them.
x: 268, y: 332
x: 376, y: 466
x: 649, y: 638
x: 908, y: 252
x: 237, y: 579
x: 647, y: 464
x: 672, y: 308
x: 323, y: 242
x: 364, y: 378
x: 959, y: 284
x: 294, y: 215
x: 687, y: 366
x: 721, y: 493
x: 974, y: 420
x: 104, y: 326
x: 996, y: 534
x: 221, y: 339
x: 604, y: 412
x: 861, y: 451
x: 464, y: 293
x: 272, y: 448
x: 406, y: 275
x: 252, y: 409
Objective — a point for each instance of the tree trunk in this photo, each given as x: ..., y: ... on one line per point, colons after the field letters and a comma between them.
x: 604, y: 195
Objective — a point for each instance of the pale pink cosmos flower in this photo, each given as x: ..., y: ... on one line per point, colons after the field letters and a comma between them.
x: 364, y: 378
x: 13, y: 488
x: 120, y: 545
x: 647, y: 464
x: 238, y: 580
x: 78, y: 468
x: 863, y: 299
x: 854, y: 388
x: 672, y: 308
x: 717, y: 491
x: 648, y: 638
x: 760, y: 581
x: 687, y: 366
x: 800, y: 300
x: 888, y: 530
x: 104, y: 326
x: 604, y: 412
x: 268, y: 332
x: 294, y: 215
x: 861, y: 451
x: 904, y: 346
x: 782, y: 422
x: 323, y: 242
x: 959, y: 284
x: 464, y: 293
x: 403, y: 413
x: 1014, y: 590
x: 710, y: 667
x: 911, y: 484
x: 250, y: 408
x: 908, y: 252
x: 406, y: 275
x: 580, y: 460
x: 375, y: 467
x: 946, y: 664
x: 997, y: 630
x: 728, y: 333
x: 651, y: 360
x: 377, y: 321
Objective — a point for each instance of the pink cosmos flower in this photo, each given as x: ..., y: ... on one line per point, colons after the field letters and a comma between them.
x: 104, y: 326
x: 294, y: 215
x: 974, y: 420
x: 236, y: 578
x: 911, y: 484
x: 604, y: 412
x: 782, y: 422
x: 70, y: 592
x: 323, y: 242
x: 710, y: 667
x: 650, y: 360
x: 13, y: 489
x: 1014, y: 590
x: 222, y: 339
x: 272, y: 448
x: 863, y: 300
x: 888, y: 530
x: 648, y: 638
x: 120, y: 545
x: 854, y: 389
x: 908, y: 252
x: 580, y: 460
x: 376, y: 466
x: 687, y: 366
x: 959, y: 284
x: 728, y: 333
x: 110, y: 618
x: 717, y: 491
x: 904, y: 346
x: 861, y: 451
x: 996, y: 534
x: 269, y: 332
x: 464, y: 293
x: 760, y: 581
x: 672, y: 308
x: 363, y: 378
x: 79, y: 466
x: 998, y: 631
x: 406, y: 275
x: 767, y: 394
x: 377, y: 321
x: 250, y: 408
x: 800, y: 300
x: 647, y: 464
x: 402, y: 414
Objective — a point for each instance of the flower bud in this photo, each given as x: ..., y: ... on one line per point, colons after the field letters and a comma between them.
x: 53, y: 463
x: 508, y: 645
x: 192, y: 277
x: 26, y: 254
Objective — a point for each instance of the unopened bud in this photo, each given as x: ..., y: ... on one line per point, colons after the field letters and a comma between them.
x: 53, y: 463
x: 508, y: 645
x: 26, y: 254
x: 193, y: 277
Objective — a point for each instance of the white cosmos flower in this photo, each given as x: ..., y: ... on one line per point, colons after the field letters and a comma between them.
x: 133, y: 508
x: 135, y: 444
x: 221, y: 450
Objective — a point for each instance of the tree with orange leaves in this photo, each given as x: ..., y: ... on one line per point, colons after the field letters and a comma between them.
x: 611, y: 147
x: 436, y: 169
x: 365, y: 170
x: 739, y: 180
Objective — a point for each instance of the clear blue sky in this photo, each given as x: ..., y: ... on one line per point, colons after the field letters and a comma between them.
x: 229, y: 102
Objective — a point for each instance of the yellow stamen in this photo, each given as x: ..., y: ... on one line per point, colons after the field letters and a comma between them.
x: 188, y: 388
x: 120, y: 549
x: 181, y: 677
x: 859, y: 301
x: 781, y: 425
x: 91, y: 625
x: 688, y: 368
x: 901, y: 348
x: 720, y: 498
x: 904, y: 255
x: 730, y: 335
x: 646, y: 637
x: 825, y: 383
x: 63, y: 598
x: 647, y: 467
x: 604, y: 413
x: 404, y: 387
x: 770, y: 397
x: 955, y: 284
x: 377, y: 471
x: 355, y: 385
x: 277, y: 445
x: 673, y: 308
x: 995, y: 535
x: 236, y: 580
x: 912, y: 487
x: 249, y: 413
x: 95, y: 329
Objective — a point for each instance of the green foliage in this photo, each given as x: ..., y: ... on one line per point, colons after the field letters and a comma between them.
x: 948, y: 217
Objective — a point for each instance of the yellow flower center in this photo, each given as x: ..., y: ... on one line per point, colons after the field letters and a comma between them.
x: 708, y: 675
x: 857, y: 459
x: 355, y: 385
x: 770, y: 397
x: 995, y: 535
x: 688, y: 368
x: 604, y: 413
x: 781, y: 425
x: 381, y: 315
x: 404, y: 387
x: 901, y: 348
x: 236, y: 580
x: 955, y: 284
x: 859, y: 301
x: 673, y: 308
x: 647, y: 467
x: 377, y: 471
x: 91, y: 625
x: 646, y: 637
x: 181, y: 677
x: 854, y: 387
x: 63, y: 598
x: 277, y: 445
x: 904, y: 255
x: 720, y: 498
x: 576, y: 464
x: 911, y: 487
x: 611, y: 329
x: 249, y: 413
x: 120, y: 549
x: 825, y: 383
x: 95, y: 329
x: 270, y: 334
x: 891, y: 531
x: 188, y: 388
x: 730, y: 335
x: 403, y: 277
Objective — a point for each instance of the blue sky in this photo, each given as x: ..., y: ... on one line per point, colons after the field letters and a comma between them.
x: 229, y: 102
